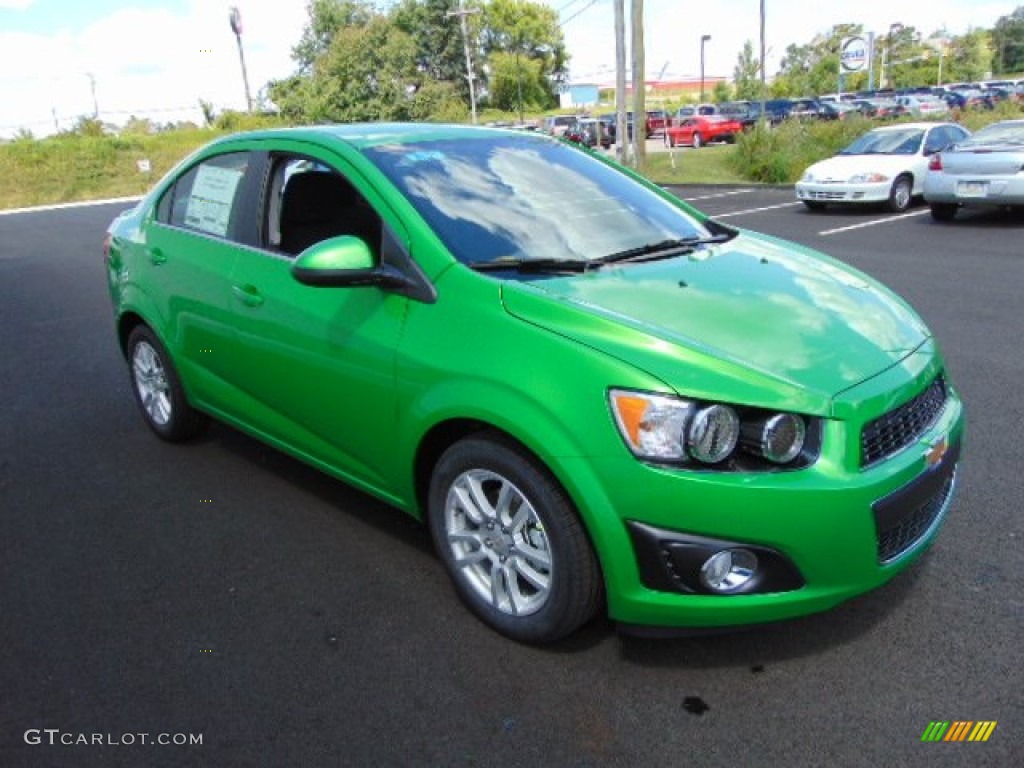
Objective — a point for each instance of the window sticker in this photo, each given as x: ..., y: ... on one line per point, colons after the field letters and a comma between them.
x: 209, y: 205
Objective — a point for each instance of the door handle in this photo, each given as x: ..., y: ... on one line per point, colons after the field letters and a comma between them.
x: 248, y: 295
x: 157, y: 257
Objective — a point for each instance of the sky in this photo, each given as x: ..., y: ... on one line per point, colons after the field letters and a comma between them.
x: 158, y: 58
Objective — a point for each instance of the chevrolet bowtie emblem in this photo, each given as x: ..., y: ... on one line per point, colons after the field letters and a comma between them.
x: 935, y: 452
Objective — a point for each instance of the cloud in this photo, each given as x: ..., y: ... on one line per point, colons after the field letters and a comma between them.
x: 146, y: 61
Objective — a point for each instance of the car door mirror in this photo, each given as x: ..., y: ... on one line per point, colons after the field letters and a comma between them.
x: 340, y: 262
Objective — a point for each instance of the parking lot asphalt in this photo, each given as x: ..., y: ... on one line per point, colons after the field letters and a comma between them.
x: 225, y: 590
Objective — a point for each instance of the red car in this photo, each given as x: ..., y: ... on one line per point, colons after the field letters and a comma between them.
x: 700, y: 129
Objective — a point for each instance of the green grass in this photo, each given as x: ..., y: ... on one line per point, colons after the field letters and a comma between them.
x: 707, y: 165
x: 69, y: 168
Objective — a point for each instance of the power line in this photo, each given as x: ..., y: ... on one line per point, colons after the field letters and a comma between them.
x: 581, y: 10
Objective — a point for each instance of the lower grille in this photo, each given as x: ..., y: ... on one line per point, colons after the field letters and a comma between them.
x: 902, y: 536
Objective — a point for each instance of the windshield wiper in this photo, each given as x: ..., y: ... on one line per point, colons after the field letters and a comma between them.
x: 660, y: 250
x: 514, y: 264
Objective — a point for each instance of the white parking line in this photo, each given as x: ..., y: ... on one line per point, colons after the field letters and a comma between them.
x: 754, y: 210
x: 61, y: 206
x: 719, y: 194
x: 871, y: 223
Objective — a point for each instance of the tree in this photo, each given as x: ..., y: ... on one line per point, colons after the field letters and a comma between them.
x: 530, y: 31
x: 440, y: 54
x: 722, y: 92
x: 814, y: 68
x: 326, y: 18
x: 746, y: 75
x: 1008, y: 43
x: 969, y: 57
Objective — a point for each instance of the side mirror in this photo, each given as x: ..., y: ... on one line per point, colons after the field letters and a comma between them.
x: 344, y: 261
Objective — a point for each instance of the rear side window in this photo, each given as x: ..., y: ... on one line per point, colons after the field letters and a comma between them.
x: 205, y: 197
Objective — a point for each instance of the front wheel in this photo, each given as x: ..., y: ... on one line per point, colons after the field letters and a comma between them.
x: 900, y: 195
x: 511, y: 541
x: 943, y: 211
x: 814, y: 205
x: 157, y: 389
x: 671, y: 141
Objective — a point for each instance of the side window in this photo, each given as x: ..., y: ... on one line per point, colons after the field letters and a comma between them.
x: 204, y: 198
x: 308, y: 202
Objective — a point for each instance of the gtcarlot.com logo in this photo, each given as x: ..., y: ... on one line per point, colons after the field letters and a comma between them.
x: 56, y: 737
x: 958, y: 730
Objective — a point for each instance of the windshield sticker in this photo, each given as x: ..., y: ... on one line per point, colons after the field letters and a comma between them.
x: 209, y: 205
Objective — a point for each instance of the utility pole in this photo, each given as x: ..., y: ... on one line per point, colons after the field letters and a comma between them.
x: 703, y: 40
x: 462, y: 13
x: 639, y: 94
x: 621, y: 129
x: 764, y: 81
x: 235, y: 17
x: 95, y: 103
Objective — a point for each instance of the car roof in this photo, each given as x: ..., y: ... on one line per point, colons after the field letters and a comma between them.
x: 903, y: 126
x: 363, y: 135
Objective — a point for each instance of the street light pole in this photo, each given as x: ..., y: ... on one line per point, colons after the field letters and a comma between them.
x: 703, y: 39
x: 235, y: 18
x: 897, y: 28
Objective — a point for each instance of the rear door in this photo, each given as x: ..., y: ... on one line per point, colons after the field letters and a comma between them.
x: 190, y: 251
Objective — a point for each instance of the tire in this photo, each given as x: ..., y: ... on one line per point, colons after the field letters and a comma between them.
x: 698, y: 142
x: 157, y: 389
x: 671, y: 141
x: 944, y: 211
x: 814, y: 205
x: 901, y: 194
x: 511, y: 541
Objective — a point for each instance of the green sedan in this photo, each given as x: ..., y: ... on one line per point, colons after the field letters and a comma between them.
x: 598, y: 399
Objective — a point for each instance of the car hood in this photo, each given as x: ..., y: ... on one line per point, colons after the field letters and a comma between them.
x: 842, y: 167
x: 757, y: 320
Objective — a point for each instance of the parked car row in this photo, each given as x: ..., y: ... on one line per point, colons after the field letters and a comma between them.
x: 885, y: 165
x: 940, y: 162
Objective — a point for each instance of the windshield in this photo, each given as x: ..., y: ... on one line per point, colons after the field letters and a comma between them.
x: 997, y: 133
x: 888, y: 142
x: 526, y: 197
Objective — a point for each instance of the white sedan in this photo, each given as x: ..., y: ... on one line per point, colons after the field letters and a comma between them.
x: 885, y: 165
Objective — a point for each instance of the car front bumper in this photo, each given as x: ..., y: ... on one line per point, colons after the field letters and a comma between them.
x: 824, y: 534
x: 820, y: 192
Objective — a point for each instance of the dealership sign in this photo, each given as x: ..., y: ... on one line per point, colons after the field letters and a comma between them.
x: 853, y: 55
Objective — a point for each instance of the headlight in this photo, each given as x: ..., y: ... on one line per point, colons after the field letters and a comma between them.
x: 665, y: 429
x: 868, y: 178
x: 651, y: 425
x: 712, y: 434
x: 778, y: 438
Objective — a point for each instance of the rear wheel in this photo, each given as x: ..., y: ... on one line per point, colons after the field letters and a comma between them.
x: 900, y: 194
x: 943, y: 211
x: 157, y: 389
x: 698, y: 141
x: 671, y: 140
x: 511, y: 541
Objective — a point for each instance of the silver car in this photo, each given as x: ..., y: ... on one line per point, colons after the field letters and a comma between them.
x: 985, y: 170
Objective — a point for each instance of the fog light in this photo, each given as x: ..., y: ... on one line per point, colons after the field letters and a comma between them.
x: 728, y: 570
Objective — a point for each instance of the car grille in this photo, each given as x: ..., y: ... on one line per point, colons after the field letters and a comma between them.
x: 821, y: 195
x: 892, y: 432
x: 902, y: 537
